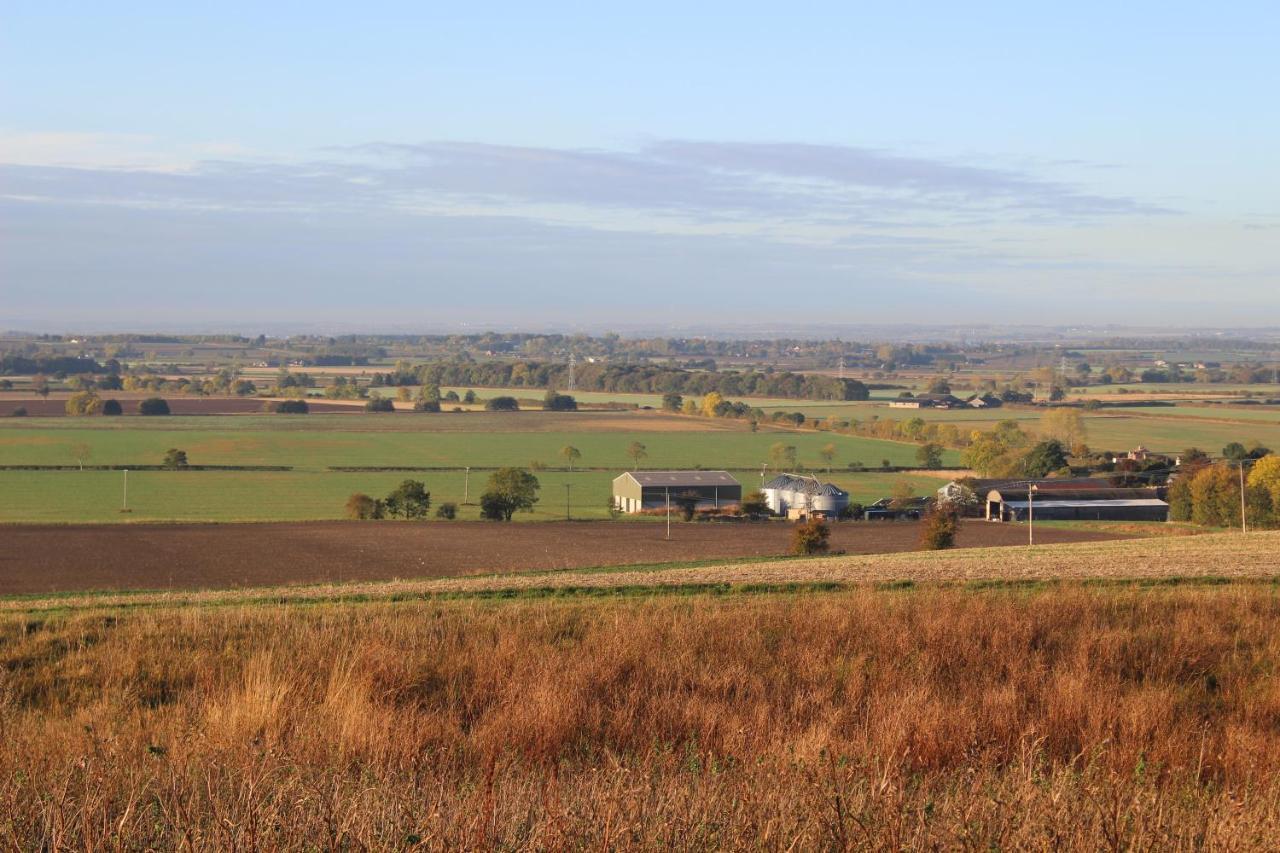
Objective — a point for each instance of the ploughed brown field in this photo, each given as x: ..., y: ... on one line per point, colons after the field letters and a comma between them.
x: 39, y: 558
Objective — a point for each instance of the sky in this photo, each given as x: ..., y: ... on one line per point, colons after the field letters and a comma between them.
x: 419, y: 166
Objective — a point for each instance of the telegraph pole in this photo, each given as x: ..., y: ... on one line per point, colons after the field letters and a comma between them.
x: 668, y: 493
x: 567, y: 487
x: 1243, y: 527
x: 466, y: 488
x: 124, y: 506
x: 1031, y: 518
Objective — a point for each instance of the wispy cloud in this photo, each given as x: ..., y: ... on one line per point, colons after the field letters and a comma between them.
x: 787, y: 187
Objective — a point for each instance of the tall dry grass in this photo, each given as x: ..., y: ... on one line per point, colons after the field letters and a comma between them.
x: 1071, y: 718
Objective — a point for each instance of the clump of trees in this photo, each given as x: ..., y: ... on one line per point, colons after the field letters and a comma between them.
x: 754, y: 503
x: 409, y: 500
x: 447, y: 511
x: 380, y: 404
x: 83, y: 403
x: 153, y: 406
x: 502, y: 404
x: 112, y: 408
x: 508, y: 491
x: 630, y: 378
x: 175, y: 458
x: 289, y: 407
x: 556, y: 402
x: 1209, y: 494
x: 810, y: 537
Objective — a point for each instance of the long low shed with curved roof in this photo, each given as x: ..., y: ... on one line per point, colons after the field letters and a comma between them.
x: 1055, y: 504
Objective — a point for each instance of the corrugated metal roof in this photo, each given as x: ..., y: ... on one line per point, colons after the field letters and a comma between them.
x: 804, y: 485
x: 683, y: 478
x: 1052, y: 504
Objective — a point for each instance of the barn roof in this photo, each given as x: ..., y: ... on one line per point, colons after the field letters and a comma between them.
x: 682, y: 478
x: 1087, y: 504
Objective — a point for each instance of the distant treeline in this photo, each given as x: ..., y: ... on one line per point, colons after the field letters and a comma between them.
x: 63, y: 365
x: 629, y: 378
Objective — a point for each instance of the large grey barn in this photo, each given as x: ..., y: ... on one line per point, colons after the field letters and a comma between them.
x: 635, y: 491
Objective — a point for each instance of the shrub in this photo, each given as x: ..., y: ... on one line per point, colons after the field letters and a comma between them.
x: 941, y: 523
x: 290, y: 407
x: 362, y: 507
x: 175, y: 458
x: 380, y: 404
x: 853, y: 511
x: 447, y: 510
x: 426, y: 405
x: 20, y: 412
x: 501, y: 404
x: 112, y: 407
x: 153, y: 406
x: 810, y: 538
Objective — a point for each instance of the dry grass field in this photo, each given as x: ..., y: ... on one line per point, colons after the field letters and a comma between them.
x: 850, y: 715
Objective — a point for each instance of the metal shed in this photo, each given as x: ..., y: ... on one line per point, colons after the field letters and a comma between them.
x: 1057, y: 504
x: 636, y: 491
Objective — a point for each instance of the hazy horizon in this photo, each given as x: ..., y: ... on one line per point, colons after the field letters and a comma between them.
x: 506, y: 167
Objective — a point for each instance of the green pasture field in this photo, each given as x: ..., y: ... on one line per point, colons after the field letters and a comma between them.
x: 226, y: 496
x: 291, y: 441
x: 1263, y: 414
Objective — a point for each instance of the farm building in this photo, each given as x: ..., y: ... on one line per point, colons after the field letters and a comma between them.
x: 888, y: 509
x: 794, y: 495
x: 927, y: 401
x: 970, y: 492
x: 635, y: 491
x: 1050, y: 502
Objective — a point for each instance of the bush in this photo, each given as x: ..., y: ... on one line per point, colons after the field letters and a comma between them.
x: 423, y: 405
x: 380, y: 404
x: 941, y: 523
x: 501, y: 404
x: 362, y: 507
x: 289, y: 407
x: 20, y: 412
x: 153, y: 406
x: 175, y: 458
x: 447, y: 510
x: 810, y: 538
x: 112, y: 407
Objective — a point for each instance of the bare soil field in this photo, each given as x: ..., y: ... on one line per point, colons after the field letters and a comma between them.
x: 44, y: 559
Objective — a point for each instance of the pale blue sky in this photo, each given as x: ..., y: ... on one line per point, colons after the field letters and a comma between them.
x: 509, y: 163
